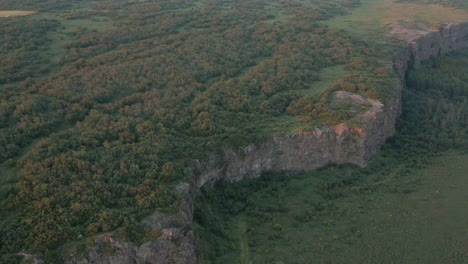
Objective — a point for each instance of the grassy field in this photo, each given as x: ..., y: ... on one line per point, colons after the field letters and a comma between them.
x: 374, y: 16
x: 327, y: 76
x: 418, y: 218
x: 427, y: 225
x: 68, y: 32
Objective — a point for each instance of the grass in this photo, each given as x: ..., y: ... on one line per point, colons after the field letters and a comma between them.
x: 244, y: 247
x: 279, y: 125
x: 56, y: 50
x: 371, y: 19
x: 327, y: 76
x: 428, y: 220
x: 416, y: 218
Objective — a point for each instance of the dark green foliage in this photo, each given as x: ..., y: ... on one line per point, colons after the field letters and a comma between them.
x: 439, y: 96
x: 10, y: 259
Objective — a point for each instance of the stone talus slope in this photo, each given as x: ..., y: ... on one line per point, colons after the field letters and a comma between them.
x: 291, y: 152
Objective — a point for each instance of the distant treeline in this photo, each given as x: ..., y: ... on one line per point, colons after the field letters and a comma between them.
x: 438, y: 94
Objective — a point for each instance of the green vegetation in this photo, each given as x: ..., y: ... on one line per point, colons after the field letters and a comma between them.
x: 451, y: 3
x: 370, y: 21
x: 327, y: 77
x: 105, y: 104
x: 409, y: 199
x: 338, y: 215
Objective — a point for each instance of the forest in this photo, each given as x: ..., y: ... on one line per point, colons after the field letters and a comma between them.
x: 105, y: 104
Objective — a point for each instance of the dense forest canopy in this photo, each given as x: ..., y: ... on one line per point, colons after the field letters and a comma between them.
x: 105, y: 103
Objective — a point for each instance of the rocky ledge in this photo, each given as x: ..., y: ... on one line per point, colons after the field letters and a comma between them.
x: 290, y: 152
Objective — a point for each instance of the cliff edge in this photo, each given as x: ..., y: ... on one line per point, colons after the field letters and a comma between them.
x: 290, y: 152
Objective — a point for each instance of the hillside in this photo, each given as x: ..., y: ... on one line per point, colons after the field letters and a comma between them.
x: 110, y: 109
x: 410, y: 198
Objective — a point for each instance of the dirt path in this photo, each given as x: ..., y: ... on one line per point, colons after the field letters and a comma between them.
x: 12, y: 13
x: 244, y: 246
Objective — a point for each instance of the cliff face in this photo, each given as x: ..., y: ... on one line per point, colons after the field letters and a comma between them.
x: 291, y: 152
x: 303, y: 151
x: 339, y: 144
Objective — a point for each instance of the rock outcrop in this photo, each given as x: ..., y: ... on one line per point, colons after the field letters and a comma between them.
x: 175, y: 242
x: 290, y: 152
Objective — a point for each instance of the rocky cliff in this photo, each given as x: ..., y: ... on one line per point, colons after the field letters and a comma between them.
x: 291, y: 152
x: 339, y: 144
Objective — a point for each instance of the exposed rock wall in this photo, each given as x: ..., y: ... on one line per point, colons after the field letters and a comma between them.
x: 302, y: 151
x: 291, y: 152
x: 339, y: 144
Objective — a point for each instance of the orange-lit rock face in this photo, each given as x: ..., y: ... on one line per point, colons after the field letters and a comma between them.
x: 360, y: 131
x: 341, y: 128
x: 374, y: 110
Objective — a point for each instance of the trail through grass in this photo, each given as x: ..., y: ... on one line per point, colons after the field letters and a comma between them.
x: 244, y: 247
x: 12, y: 13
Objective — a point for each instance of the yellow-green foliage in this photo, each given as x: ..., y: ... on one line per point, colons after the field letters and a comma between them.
x: 99, y: 121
